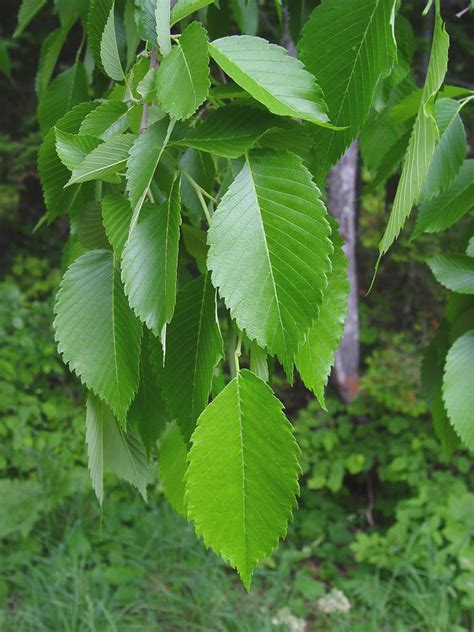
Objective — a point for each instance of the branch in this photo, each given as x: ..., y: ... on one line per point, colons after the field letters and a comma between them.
x: 153, y: 64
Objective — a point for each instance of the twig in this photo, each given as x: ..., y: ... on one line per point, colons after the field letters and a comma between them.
x: 153, y: 64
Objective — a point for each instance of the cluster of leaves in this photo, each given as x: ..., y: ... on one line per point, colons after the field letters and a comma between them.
x: 423, y: 133
x: 142, y: 151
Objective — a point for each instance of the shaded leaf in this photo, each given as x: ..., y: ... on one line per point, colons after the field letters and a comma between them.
x: 450, y: 205
x: 315, y: 357
x: 99, y: 13
x: 172, y: 458
x: 50, y: 51
x: 90, y: 229
x: 348, y: 47
x: 28, y: 10
x: 97, y: 333
x: 116, y: 216
x: 109, y: 54
x: 67, y: 90
x: 108, y: 446
x: 194, y: 348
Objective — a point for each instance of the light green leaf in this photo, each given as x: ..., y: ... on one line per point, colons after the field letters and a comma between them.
x: 348, y: 47
x: 109, y: 446
x: 458, y: 388
x: 270, y: 252
x: 147, y: 86
x: 73, y: 148
x: 116, y: 216
x: 109, y: 157
x: 54, y: 175
x: 454, y: 271
x: 143, y: 160
x: 99, y: 13
x: 186, y: 66
x: 97, y: 333
x: 422, y: 142
x: 229, y: 132
x: 183, y: 8
x: 108, y: 120
x: 150, y: 263
x: 450, y: 151
x: 200, y: 166
x: 194, y: 348
x: 90, y: 230
x: 258, y: 361
x: 50, y: 51
x: 28, y: 10
x: 67, y: 90
x: 147, y: 412
x: 173, y: 463
x: 163, y: 38
x: 242, y: 480
x: 316, y: 355
x: 109, y: 54
x: 450, y: 205
x: 270, y: 75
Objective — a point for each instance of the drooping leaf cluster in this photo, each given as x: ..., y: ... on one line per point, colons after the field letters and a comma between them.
x: 191, y: 170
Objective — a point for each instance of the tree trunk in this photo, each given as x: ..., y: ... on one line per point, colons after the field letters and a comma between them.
x: 342, y: 192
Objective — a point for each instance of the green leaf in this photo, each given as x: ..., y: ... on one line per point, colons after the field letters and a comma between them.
x: 173, y: 464
x: 108, y: 120
x: 270, y: 75
x: 195, y: 242
x: 150, y: 263
x: 109, y: 446
x: 316, y: 355
x: 131, y: 32
x: 163, y: 38
x: 450, y: 205
x: 194, y: 348
x: 5, y: 61
x: 291, y: 136
x: 443, y: 429
x: 28, y: 10
x: 143, y: 160
x: 246, y: 15
x: 109, y: 157
x: 116, y: 216
x: 450, y: 151
x: 109, y: 54
x: 146, y: 20
x: 54, y: 175
x: 90, y: 230
x: 241, y: 504
x: 50, y: 51
x: 432, y: 366
x: 99, y: 14
x: 229, y: 132
x: 73, y: 148
x: 270, y: 252
x: 147, y: 86
x: 147, y: 412
x: 458, y: 388
x: 422, y: 142
x: 97, y: 333
x: 454, y: 271
x: 348, y: 47
x: 258, y: 361
x: 67, y: 90
x: 186, y: 66
x: 200, y: 166
x: 183, y: 8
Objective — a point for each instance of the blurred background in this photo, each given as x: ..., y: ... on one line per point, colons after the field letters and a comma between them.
x: 384, y: 535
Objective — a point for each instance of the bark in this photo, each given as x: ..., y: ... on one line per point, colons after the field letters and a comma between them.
x: 342, y: 192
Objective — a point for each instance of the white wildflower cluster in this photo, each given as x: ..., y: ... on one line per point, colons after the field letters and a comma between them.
x: 285, y: 617
x: 334, y: 601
